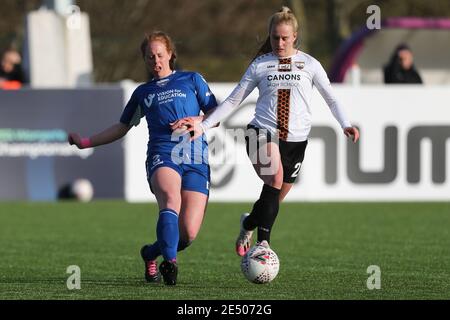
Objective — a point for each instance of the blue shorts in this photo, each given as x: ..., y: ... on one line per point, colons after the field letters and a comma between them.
x: 194, y: 177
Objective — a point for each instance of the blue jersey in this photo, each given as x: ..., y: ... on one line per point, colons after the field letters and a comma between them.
x: 163, y: 101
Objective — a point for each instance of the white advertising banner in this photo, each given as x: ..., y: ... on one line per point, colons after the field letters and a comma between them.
x: 403, y: 153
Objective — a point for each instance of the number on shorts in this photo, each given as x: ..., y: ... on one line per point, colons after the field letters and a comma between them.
x: 297, y: 167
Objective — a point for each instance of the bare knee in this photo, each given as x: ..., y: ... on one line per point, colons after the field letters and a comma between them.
x: 167, y: 199
x: 188, y: 235
x: 275, y: 181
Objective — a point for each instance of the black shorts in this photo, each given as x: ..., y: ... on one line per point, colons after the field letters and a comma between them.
x: 292, y: 153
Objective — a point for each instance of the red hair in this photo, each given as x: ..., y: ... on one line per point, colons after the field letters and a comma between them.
x: 164, y: 38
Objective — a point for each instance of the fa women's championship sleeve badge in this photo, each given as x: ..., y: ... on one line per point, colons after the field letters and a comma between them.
x: 300, y: 65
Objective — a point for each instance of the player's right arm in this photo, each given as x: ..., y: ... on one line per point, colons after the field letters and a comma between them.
x: 130, y: 117
x: 108, y: 135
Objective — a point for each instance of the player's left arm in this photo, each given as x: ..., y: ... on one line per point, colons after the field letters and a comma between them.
x: 322, y: 83
x: 207, y: 102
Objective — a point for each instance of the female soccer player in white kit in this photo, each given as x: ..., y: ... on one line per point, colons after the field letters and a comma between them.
x: 285, y: 77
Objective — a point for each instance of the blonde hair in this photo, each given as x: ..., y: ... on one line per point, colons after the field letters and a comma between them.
x: 284, y: 15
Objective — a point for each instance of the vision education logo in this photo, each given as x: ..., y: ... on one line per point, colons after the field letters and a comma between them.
x: 38, y: 143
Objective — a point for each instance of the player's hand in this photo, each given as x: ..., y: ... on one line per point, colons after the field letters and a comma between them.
x: 81, y: 143
x: 189, y: 125
x: 352, y: 132
x: 74, y: 139
x: 196, y: 131
x: 186, y: 122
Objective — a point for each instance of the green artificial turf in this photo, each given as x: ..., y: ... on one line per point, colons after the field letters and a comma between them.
x: 324, y: 251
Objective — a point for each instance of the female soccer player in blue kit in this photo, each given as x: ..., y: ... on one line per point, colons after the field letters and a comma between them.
x: 177, y: 171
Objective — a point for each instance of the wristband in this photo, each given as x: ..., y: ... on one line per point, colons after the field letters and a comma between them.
x: 85, y: 143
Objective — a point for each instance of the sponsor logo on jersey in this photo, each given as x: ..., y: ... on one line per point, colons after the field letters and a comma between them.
x: 285, y: 77
x: 271, y: 66
x: 300, y: 65
x: 168, y: 95
x: 148, y: 101
x: 285, y: 67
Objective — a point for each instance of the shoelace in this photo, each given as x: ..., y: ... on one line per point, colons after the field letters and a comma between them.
x: 152, y: 268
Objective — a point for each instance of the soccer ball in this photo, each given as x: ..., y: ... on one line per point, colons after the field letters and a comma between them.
x: 82, y: 190
x: 260, y: 265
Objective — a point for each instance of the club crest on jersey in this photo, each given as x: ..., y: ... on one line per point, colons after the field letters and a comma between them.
x: 300, y: 64
x: 148, y: 101
x: 156, y: 161
x: 285, y: 67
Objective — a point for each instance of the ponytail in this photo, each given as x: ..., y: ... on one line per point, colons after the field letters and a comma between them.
x: 265, y: 48
x: 284, y: 15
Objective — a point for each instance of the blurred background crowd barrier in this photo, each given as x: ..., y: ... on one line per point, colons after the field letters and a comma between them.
x: 403, y: 154
x: 70, y: 72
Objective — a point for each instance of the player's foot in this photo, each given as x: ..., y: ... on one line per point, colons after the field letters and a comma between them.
x: 263, y: 244
x: 244, y: 240
x: 169, y: 272
x: 151, y: 273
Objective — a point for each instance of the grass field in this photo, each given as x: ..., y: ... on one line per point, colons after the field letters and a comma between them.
x: 324, y: 250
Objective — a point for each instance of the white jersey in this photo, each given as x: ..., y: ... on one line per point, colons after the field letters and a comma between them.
x: 285, y: 93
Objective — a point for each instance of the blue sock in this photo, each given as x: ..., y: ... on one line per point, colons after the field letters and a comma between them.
x: 167, y: 233
x: 152, y: 251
